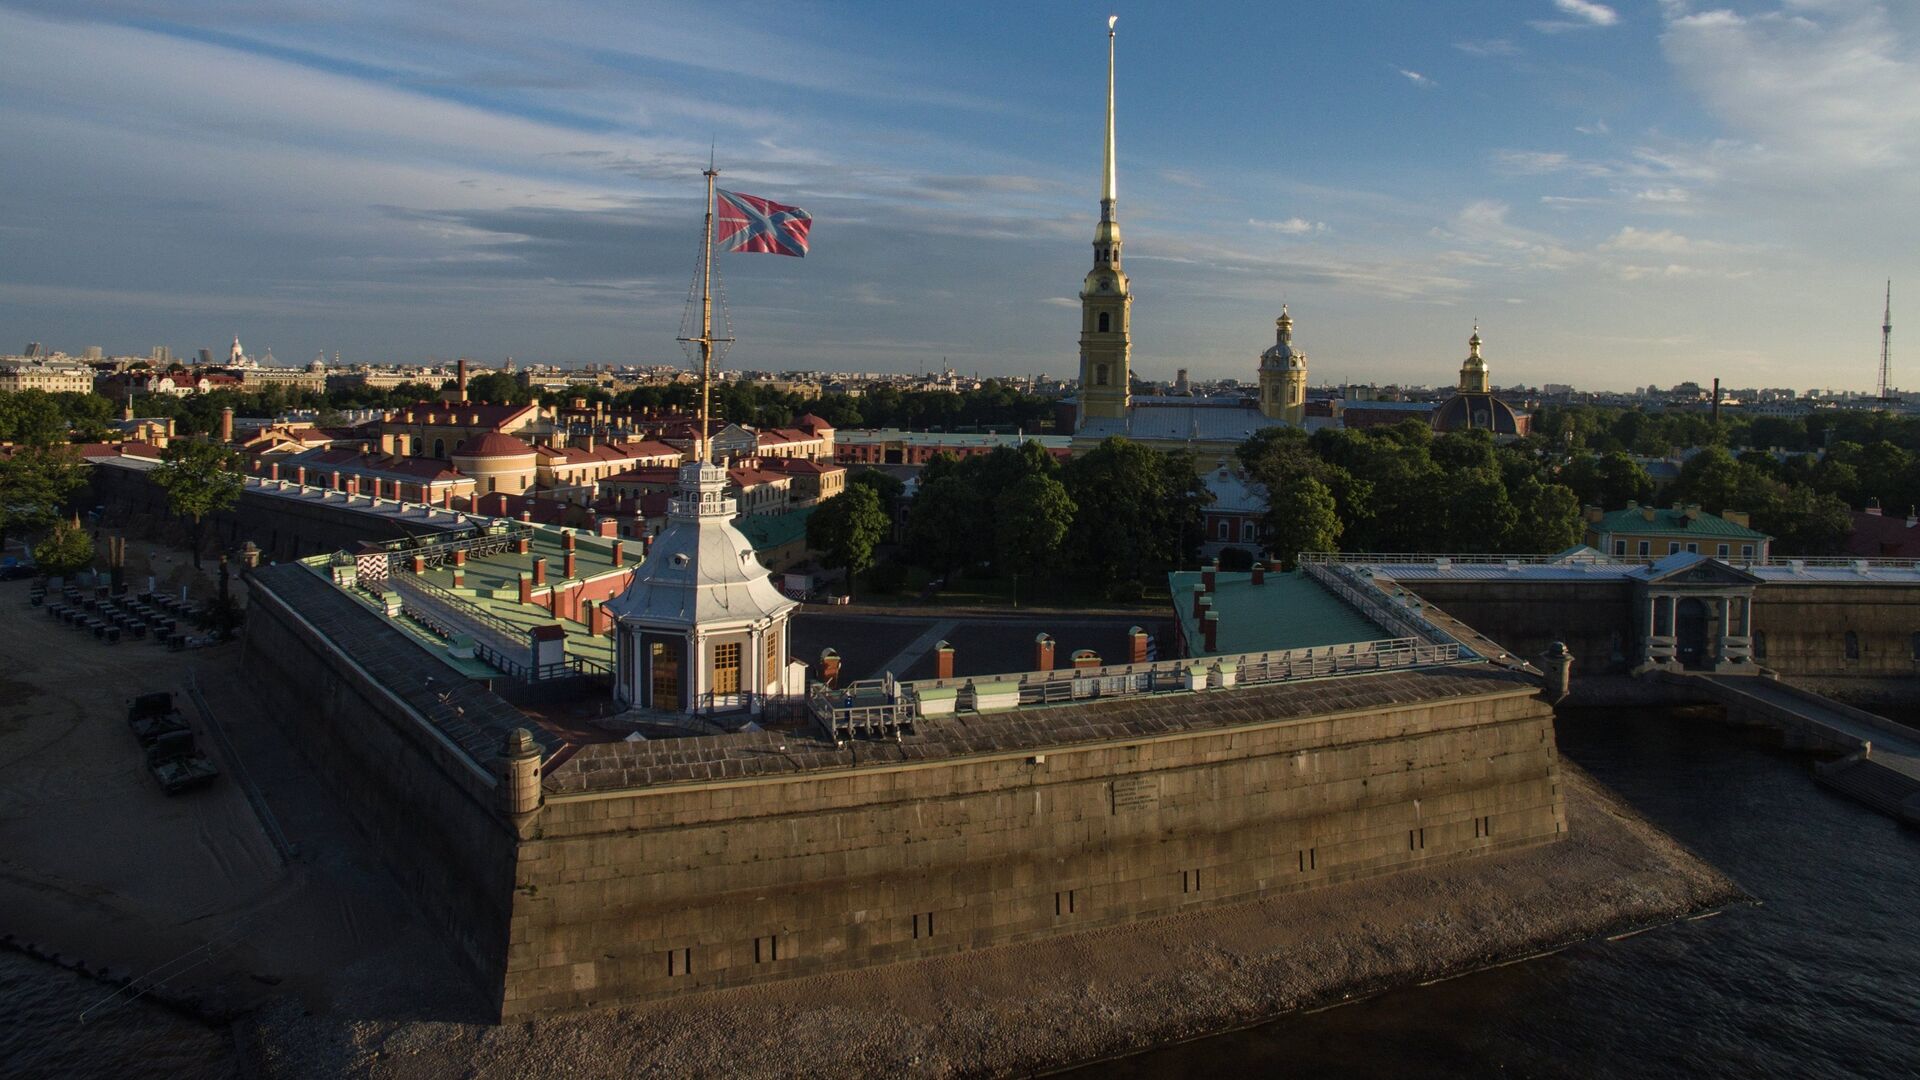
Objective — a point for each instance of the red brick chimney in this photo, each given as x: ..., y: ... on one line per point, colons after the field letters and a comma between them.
x: 829, y: 666
x: 540, y: 571
x: 1259, y: 573
x: 526, y: 588
x: 226, y: 424
x: 1212, y: 626
x: 601, y: 621
x: 1136, y: 645
x: 459, y: 577
x: 1208, y: 574
x: 522, y: 545
x: 273, y: 471
x: 446, y: 498
x: 566, y: 540
x: 567, y: 566
x: 459, y: 556
x: 1042, y: 653
x: 460, y: 378
x: 943, y: 661
x: 1199, y: 600
x: 608, y: 526
x: 300, y: 475
x: 419, y: 564
x: 619, y: 553
x: 1086, y: 658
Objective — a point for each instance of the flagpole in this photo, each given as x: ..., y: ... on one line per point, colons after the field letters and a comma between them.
x: 706, y: 325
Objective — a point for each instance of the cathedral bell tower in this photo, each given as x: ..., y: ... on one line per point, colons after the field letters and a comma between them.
x: 1283, y: 376
x: 1473, y: 372
x: 1106, y: 350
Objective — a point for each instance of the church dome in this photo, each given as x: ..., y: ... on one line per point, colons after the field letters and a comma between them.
x: 1281, y: 355
x: 494, y: 444
x: 1464, y: 411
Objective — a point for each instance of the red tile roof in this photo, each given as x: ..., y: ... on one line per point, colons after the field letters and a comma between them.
x: 1877, y: 536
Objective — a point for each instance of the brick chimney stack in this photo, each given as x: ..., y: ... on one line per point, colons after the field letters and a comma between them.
x: 460, y: 378
x: 829, y: 666
x: 226, y: 424
x: 526, y: 588
x: 1086, y: 658
x: 619, y: 553
x: 540, y: 571
x: 943, y: 661
x: 567, y: 566
x: 1199, y: 600
x: 1136, y: 645
x: 1042, y: 653
x: 1212, y: 625
x: 1259, y: 573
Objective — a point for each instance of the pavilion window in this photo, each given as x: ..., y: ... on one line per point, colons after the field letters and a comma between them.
x: 726, y: 668
x: 773, y: 654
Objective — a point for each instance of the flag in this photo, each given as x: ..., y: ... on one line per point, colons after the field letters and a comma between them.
x: 750, y: 223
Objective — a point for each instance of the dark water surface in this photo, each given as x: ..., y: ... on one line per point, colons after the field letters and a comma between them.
x: 41, y: 1034
x: 1821, y: 979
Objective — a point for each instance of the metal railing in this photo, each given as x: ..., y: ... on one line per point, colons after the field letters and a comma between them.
x: 867, y: 708
x: 1387, y: 612
x: 1441, y: 559
x: 887, y: 709
x: 497, y: 538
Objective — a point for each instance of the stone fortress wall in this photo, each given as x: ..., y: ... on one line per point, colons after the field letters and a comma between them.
x: 1801, y: 628
x: 623, y: 891
x: 640, y: 893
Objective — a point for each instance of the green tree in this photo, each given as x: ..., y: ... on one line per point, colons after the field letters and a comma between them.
x: 200, y: 478
x: 1548, y: 518
x: 1804, y: 522
x: 1608, y: 481
x: 65, y: 550
x: 498, y: 388
x: 944, y: 525
x: 31, y: 418
x: 1300, y: 517
x: 845, y: 530
x: 1139, y: 514
x: 35, y: 484
x: 1031, y: 520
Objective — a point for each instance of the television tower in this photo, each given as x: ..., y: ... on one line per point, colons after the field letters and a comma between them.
x: 1886, y: 345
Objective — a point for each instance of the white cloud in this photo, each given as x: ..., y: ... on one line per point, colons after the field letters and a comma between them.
x: 1061, y: 302
x: 1418, y: 79
x: 1488, y: 47
x: 1665, y: 241
x: 1824, y: 87
x: 1598, y: 127
x: 1596, y: 14
x: 1293, y: 226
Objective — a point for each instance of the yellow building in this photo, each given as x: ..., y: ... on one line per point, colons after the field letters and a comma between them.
x: 1283, y: 376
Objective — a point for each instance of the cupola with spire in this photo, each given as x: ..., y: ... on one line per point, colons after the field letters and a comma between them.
x: 1473, y: 372
x: 1283, y: 375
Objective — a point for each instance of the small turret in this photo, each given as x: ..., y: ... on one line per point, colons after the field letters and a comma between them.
x: 1473, y: 372
x: 1283, y: 375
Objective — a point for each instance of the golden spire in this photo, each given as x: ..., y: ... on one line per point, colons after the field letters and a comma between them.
x: 1109, y: 193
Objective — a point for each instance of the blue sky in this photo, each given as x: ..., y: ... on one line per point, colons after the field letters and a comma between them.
x: 1624, y: 193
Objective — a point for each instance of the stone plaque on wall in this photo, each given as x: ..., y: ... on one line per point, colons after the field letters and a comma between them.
x: 1132, y: 793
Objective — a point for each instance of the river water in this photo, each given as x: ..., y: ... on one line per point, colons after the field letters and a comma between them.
x: 1820, y: 979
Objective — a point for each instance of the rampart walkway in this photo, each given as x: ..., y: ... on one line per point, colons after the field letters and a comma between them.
x: 1881, y: 766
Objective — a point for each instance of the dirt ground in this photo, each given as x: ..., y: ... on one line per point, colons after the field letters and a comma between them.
x: 101, y: 867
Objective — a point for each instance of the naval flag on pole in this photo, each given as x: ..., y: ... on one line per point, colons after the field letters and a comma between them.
x: 750, y: 223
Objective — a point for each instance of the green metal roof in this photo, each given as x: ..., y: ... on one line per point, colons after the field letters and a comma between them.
x: 1669, y: 522
x: 1287, y: 611
x: 765, y: 531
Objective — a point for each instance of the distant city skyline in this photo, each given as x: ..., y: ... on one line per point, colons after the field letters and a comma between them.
x: 1622, y: 194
